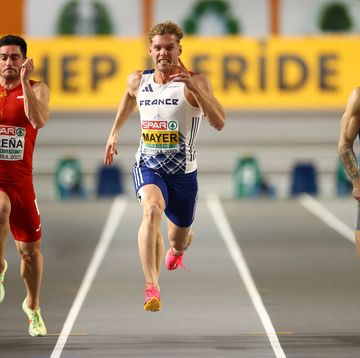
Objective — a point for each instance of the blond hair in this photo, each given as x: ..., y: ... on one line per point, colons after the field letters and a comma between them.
x: 167, y: 27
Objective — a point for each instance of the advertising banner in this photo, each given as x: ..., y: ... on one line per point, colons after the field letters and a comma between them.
x: 246, y: 73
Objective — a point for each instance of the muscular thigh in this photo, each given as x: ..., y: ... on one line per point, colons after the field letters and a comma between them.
x: 24, y: 218
x: 177, y: 192
x: 149, y: 186
x: 152, y: 195
x: 183, y: 196
x: 5, y: 207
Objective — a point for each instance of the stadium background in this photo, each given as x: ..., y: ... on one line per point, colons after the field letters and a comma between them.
x: 282, y: 79
x: 284, y: 83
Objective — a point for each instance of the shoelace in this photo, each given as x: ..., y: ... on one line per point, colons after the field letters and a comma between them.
x: 151, y: 291
x: 177, y: 261
x: 34, y: 318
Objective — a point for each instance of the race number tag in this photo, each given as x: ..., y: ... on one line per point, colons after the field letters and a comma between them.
x: 160, y: 137
x: 12, y: 142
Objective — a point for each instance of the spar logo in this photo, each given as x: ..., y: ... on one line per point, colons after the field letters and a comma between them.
x: 12, y: 131
x: 173, y: 125
x: 20, y: 132
x: 159, y: 125
x: 154, y: 125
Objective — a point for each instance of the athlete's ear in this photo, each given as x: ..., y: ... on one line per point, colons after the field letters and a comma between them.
x: 180, y: 49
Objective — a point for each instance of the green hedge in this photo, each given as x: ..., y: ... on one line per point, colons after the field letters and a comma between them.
x: 68, y: 19
x: 220, y: 8
x: 335, y: 18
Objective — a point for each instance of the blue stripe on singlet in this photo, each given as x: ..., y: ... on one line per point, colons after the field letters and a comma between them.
x: 194, y: 129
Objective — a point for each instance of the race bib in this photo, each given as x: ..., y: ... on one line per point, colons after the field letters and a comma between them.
x: 12, y: 142
x: 160, y: 137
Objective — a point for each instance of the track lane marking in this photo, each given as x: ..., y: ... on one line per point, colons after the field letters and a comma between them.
x: 236, y: 254
x: 113, y: 220
x: 325, y: 215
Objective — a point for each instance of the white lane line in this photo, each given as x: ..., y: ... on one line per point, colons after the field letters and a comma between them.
x: 311, y: 204
x: 228, y: 236
x: 114, y: 217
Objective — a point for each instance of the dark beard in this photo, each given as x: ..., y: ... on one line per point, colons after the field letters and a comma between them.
x: 11, y: 76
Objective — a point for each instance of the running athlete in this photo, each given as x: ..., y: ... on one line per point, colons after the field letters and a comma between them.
x: 23, y: 110
x: 349, y: 130
x: 171, y: 101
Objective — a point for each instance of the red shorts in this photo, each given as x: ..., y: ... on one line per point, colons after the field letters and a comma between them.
x: 24, y: 216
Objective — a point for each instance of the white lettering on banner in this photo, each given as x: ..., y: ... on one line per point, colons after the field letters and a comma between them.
x: 12, y: 143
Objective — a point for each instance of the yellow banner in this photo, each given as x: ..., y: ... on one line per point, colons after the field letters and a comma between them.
x: 278, y: 73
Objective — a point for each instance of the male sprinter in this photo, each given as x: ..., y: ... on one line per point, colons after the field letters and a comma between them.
x: 171, y: 102
x: 24, y: 108
x: 349, y: 130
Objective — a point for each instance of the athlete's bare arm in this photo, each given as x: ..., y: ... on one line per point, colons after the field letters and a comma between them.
x: 349, y: 129
x: 126, y: 107
x: 200, y: 94
x: 36, y: 97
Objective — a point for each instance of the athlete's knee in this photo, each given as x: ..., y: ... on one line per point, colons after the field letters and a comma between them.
x: 29, y: 254
x: 180, y: 238
x: 153, y: 212
x: 4, y: 213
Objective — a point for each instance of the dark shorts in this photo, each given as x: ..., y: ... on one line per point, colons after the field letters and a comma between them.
x: 180, y: 192
x: 24, y: 215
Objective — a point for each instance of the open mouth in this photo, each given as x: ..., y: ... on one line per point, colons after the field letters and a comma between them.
x: 163, y: 61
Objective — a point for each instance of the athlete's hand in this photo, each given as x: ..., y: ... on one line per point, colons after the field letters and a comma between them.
x: 182, y: 75
x: 27, y: 69
x: 110, y: 150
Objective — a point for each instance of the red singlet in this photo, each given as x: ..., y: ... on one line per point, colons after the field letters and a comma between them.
x: 17, y: 141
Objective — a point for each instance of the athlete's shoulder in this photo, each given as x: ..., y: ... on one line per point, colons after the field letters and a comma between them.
x: 135, y: 76
x: 39, y: 84
x: 355, y: 93
x: 133, y: 80
x: 353, y: 103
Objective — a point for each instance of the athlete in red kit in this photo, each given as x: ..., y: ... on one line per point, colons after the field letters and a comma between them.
x: 24, y: 108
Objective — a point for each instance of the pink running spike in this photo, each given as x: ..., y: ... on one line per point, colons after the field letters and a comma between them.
x: 173, y: 262
x: 152, y: 300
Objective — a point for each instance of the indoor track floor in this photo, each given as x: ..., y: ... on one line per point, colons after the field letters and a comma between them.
x: 267, y: 279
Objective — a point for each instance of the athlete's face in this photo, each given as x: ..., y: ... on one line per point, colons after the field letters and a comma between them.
x: 11, y: 60
x: 165, y: 51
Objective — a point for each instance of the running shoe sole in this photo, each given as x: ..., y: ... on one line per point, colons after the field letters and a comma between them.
x: 152, y: 305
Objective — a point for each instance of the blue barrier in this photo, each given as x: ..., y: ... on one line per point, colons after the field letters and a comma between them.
x: 109, y: 181
x: 304, y: 179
